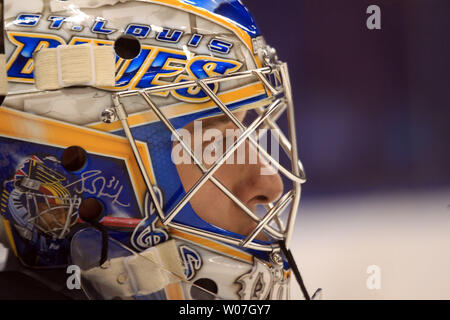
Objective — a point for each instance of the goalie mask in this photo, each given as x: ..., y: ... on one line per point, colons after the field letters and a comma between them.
x: 109, y: 104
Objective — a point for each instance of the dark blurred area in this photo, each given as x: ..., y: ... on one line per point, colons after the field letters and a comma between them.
x: 372, y: 106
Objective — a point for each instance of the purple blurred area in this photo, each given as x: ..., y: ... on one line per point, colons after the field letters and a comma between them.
x: 372, y: 106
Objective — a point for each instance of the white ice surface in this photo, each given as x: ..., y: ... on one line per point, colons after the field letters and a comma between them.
x: 406, y: 235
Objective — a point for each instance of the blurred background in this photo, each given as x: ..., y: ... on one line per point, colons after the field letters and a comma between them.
x: 373, y: 118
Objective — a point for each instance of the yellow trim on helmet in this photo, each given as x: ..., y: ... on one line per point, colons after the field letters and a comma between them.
x: 212, y: 245
x: 183, y: 109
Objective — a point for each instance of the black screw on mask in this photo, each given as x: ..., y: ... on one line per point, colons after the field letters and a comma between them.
x: 74, y: 159
x: 127, y: 47
x: 204, y: 289
x: 91, y: 211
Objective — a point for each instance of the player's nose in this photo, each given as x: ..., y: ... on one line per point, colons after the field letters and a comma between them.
x: 262, y: 184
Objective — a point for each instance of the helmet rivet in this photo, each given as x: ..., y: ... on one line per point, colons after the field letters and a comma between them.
x: 122, y: 278
x: 108, y: 116
x: 91, y: 210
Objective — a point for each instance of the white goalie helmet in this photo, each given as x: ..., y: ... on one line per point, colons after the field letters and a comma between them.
x: 153, y: 111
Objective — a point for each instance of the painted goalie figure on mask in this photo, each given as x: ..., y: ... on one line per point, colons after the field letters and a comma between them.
x: 102, y: 96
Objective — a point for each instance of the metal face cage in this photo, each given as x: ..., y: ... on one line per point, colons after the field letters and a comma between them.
x: 275, y: 79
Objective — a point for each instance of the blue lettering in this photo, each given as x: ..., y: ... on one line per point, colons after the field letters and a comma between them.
x: 161, y: 67
x: 99, y: 27
x: 220, y: 46
x: 57, y: 22
x: 132, y: 69
x: 27, y: 20
x: 138, y: 30
x: 168, y: 35
x: 195, y: 40
x: 153, y: 66
x: 20, y: 66
x: 201, y: 68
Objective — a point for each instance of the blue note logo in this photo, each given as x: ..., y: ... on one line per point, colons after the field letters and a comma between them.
x: 148, y: 233
x: 192, y: 261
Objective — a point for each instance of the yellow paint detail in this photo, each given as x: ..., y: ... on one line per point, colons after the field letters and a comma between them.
x: 182, y: 109
x: 141, y: 71
x: 174, y: 292
x: 213, y: 245
x: 29, y: 67
x: 286, y: 275
x: 46, y: 131
x: 208, y: 69
x: 241, y: 34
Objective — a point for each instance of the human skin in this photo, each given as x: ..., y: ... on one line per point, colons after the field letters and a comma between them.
x: 244, y: 180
